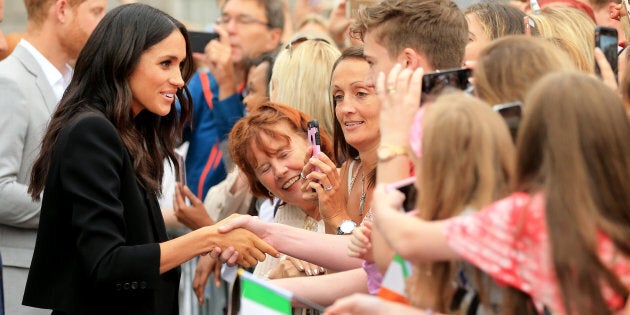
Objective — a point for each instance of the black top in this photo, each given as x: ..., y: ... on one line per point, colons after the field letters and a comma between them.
x: 97, y: 248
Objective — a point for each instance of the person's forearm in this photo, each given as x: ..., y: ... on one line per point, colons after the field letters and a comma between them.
x: 414, y: 239
x: 179, y: 250
x: 325, y: 250
x: 325, y: 289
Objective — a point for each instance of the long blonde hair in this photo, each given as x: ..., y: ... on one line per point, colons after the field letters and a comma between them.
x: 301, y: 75
x: 467, y: 162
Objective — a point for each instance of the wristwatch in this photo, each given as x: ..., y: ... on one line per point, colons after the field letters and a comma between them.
x: 346, y: 227
x: 387, y: 152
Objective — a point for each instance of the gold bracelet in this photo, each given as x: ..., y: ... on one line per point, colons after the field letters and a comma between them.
x: 386, y: 152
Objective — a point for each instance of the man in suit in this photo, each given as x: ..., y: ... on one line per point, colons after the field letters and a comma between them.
x: 32, y: 81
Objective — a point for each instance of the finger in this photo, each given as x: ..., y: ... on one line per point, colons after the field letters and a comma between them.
x: 239, y: 222
x: 233, y: 259
x: 380, y: 84
x: 266, y: 248
x: 392, y: 77
x: 299, y: 264
x: 224, y: 37
x: 227, y: 253
x: 402, y: 82
x: 217, y: 275
x: 190, y: 195
x: 608, y: 76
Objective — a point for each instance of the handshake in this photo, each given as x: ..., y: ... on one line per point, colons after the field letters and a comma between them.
x: 240, y: 239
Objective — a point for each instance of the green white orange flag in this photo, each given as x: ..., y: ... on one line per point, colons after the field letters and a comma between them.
x: 393, y: 285
x: 260, y: 297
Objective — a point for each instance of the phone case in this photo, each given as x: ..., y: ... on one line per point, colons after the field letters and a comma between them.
x: 314, y: 138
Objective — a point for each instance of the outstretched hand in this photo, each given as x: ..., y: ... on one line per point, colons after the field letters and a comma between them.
x: 250, y: 248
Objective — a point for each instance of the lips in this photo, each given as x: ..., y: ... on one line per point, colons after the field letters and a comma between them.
x: 353, y: 123
x: 290, y: 182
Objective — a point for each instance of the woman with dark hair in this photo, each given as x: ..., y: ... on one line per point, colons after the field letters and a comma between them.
x: 102, y: 247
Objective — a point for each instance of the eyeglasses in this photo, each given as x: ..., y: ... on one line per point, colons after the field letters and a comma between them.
x: 241, y: 19
x: 294, y: 43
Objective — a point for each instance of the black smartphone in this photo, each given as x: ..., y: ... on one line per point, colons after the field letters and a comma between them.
x: 606, y: 40
x: 407, y: 187
x: 199, y: 40
x: 434, y: 82
x: 314, y: 138
x: 511, y: 113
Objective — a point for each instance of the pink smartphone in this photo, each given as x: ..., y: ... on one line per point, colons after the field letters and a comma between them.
x: 314, y: 138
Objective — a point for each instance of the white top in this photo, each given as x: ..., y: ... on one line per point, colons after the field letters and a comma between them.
x: 58, y: 80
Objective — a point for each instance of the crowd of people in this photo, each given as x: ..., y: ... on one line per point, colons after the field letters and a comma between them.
x: 519, y: 174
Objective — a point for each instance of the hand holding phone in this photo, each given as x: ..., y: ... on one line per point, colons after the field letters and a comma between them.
x: 314, y: 138
x: 606, y: 39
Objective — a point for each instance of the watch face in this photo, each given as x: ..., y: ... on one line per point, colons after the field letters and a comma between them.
x: 347, y: 226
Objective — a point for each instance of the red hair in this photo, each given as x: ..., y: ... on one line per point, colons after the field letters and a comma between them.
x: 265, y: 120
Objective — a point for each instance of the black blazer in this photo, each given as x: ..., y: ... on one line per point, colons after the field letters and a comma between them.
x: 97, y: 248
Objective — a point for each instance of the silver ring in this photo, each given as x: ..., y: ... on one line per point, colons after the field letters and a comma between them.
x: 302, y: 175
x: 329, y: 188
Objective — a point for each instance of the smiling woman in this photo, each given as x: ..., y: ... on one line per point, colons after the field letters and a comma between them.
x: 102, y: 246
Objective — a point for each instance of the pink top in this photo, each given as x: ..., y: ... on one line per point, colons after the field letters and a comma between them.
x: 508, y: 240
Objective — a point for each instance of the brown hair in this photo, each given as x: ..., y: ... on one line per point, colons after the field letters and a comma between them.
x: 573, y: 146
x: 508, y: 66
x: 436, y: 28
x: 469, y: 165
x: 101, y: 83
x: 498, y: 19
x: 264, y: 120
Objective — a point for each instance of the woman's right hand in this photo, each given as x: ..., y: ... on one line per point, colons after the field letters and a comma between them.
x: 327, y: 185
x: 193, y: 216
x: 291, y: 267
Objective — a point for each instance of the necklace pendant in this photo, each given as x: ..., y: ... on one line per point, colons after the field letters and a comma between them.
x: 361, y: 203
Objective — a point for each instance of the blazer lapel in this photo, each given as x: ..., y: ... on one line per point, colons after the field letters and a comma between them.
x: 46, y: 91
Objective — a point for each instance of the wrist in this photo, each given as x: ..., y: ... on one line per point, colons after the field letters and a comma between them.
x: 387, y: 151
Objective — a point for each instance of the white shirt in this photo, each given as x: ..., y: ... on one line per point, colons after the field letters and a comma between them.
x: 59, y: 81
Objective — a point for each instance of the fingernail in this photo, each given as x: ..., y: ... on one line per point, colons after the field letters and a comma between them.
x: 308, y: 272
x: 301, y: 267
x: 316, y: 271
x: 323, y: 270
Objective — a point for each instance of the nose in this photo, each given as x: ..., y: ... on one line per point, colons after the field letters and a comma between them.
x: 279, y: 170
x: 177, y: 80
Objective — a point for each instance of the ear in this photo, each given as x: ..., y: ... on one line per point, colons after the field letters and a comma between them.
x: 61, y: 10
x: 413, y: 59
x: 274, y: 36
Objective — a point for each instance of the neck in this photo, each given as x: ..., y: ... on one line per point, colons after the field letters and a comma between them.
x: 368, y: 158
x: 312, y: 211
x: 46, y: 43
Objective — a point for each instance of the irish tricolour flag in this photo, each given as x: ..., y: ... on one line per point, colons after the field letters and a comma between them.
x: 260, y: 297
x: 393, y: 285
